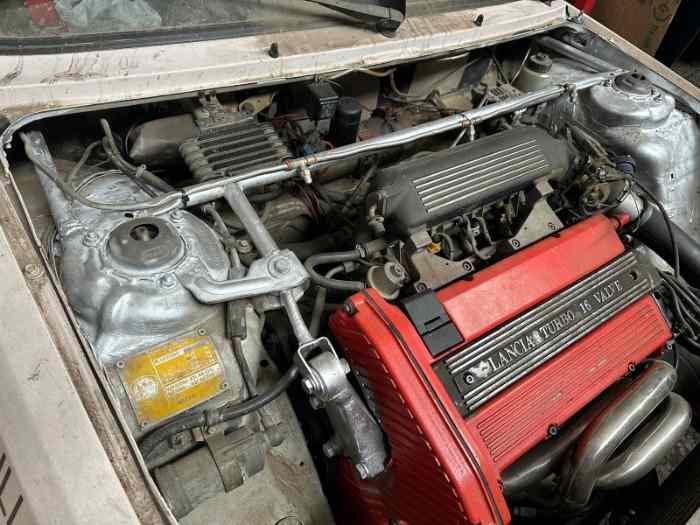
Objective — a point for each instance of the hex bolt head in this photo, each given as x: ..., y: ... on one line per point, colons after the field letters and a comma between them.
x: 282, y: 265
x: 168, y: 281
x: 362, y: 470
x: 244, y: 246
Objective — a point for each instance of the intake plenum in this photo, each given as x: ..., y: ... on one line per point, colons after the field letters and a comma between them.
x: 432, y: 189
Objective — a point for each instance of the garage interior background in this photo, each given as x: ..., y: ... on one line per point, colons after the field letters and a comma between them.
x: 666, y: 29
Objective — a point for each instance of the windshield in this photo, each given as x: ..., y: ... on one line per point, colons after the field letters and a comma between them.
x: 130, y: 22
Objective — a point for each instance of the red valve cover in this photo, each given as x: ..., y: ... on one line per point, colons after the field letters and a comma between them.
x: 544, y: 332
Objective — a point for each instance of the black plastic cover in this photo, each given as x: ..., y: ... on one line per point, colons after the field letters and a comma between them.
x: 434, y: 188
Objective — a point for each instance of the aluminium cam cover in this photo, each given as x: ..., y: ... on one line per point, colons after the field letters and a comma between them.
x: 432, y: 189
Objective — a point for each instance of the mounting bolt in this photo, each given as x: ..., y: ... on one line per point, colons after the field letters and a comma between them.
x: 167, y: 281
x: 201, y: 331
x: 274, y: 50
x: 33, y: 271
x: 176, y: 216
x: 244, y: 246
x: 553, y: 430
x: 362, y: 470
x: 515, y: 243
x: 121, y: 363
x: 282, y: 265
x: 467, y: 266
x: 349, y: 308
x: 631, y: 367
x: 551, y: 226
x: 91, y: 239
x: 421, y: 287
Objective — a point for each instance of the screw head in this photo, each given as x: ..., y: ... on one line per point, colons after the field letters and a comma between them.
x: 121, y: 363
x: 421, y: 287
x: 553, y: 430
x: 349, y: 308
x: 467, y: 266
x: 515, y: 243
x: 33, y: 271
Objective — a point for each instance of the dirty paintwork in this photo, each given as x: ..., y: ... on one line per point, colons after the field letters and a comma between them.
x: 35, y: 82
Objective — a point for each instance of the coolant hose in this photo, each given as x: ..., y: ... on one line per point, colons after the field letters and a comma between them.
x: 219, y: 415
x: 654, y: 233
x: 334, y: 258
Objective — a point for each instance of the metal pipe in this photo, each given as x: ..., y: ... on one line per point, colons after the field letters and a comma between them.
x: 612, y: 427
x: 541, y: 461
x: 649, y: 444
x: 255, y: 228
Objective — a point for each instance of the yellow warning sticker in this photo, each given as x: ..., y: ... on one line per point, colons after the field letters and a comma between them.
x: 168, y: 379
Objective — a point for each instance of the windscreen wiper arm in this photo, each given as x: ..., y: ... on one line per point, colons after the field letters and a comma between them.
x: 386, y: 19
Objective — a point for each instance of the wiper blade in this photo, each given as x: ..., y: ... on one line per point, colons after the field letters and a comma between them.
x: 386, y: 19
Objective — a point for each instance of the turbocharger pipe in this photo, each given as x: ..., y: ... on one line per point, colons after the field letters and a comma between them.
x: 646, y: 408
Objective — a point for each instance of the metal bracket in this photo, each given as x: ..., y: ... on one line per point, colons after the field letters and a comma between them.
x: 269, y: 275
x: 357, y: 433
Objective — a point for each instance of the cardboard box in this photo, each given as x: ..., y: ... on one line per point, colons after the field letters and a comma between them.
x: 642, y: 22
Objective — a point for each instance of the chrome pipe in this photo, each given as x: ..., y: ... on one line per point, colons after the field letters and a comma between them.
x: 611, y: 428
x: 214, y: 189
x: 541, y: 461
x: 649, y: 445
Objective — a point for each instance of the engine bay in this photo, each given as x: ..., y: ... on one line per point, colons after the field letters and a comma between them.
x: 458, y: 290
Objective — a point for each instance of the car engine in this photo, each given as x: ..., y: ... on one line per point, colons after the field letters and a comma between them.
x: 459, y: 290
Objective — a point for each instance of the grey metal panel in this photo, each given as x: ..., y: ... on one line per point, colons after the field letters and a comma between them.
x: 56, y: 458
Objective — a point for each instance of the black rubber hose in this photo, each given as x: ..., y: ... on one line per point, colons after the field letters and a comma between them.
x: 334, y: 258
x: 216, y: 416
x: 654, y: 233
